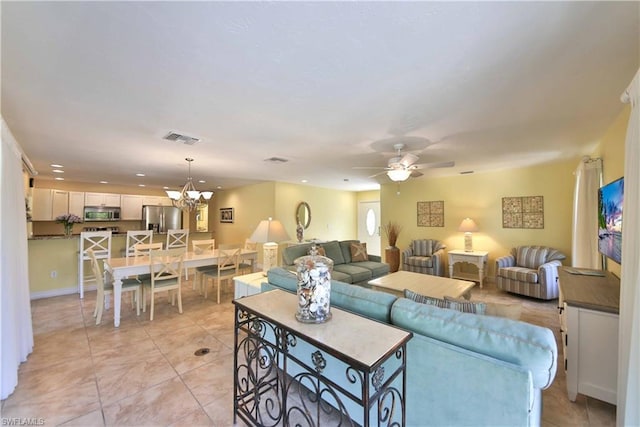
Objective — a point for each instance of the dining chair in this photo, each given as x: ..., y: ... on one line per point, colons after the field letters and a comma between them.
x: 143, y: 249
x: 198, y: 247
x: 104, y: 288
x: 246, y: 266
x: 135, y: 237
x: 227, y: 268
x: 178, y: 238
x: 167, y: 277
x: 100, y: 243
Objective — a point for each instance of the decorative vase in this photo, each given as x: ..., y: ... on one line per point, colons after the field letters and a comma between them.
x: 68, y: 228
x: 392, y: 257
x: 314, y: 287
x: 300, y: 233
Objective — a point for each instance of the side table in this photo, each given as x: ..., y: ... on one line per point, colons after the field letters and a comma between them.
x: 248, y: 284
x: 477, y: 258
x: 348, y: 371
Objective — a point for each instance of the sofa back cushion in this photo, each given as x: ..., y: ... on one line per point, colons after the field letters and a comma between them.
x: 531, y: 256
x: 426, y: 247
x: 345, y: 248
x: 291, y: 253
x: 524, y: 344
x: 332, y: 250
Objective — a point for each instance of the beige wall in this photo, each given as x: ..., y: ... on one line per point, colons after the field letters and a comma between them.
x: 611, y: 150
x: 479, y: 196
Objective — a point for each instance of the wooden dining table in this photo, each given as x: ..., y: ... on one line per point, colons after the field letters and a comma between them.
x: 119, y: 268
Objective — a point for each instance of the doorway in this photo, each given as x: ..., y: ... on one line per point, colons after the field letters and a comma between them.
x: 369, y: 226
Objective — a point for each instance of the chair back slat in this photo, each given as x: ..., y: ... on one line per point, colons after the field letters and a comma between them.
x: 228, y: 259
x: 167, y: 264
x: 177, y: 238
x: 135, y: 237
x: 98, y: 241
x: 142, y: 249
x: 204, y: 245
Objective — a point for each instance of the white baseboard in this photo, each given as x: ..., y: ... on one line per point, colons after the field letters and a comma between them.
x: 59, y: 292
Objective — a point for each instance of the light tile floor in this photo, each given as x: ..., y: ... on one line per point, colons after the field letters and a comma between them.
x: 146, y: 373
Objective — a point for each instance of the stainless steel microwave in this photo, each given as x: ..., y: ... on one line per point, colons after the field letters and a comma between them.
x: 101, y: 213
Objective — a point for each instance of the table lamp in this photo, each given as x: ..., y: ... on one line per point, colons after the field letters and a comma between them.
x: 268, y: 232
x: 468, y: 226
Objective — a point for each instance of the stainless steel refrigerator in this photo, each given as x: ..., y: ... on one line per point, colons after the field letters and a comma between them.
x: 161, y: 218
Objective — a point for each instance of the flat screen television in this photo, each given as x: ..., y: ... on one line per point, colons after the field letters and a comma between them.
x: 610, y: 201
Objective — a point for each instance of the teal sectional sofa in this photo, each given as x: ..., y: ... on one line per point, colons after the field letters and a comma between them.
x: 462, y: 369
x: 344, y: 269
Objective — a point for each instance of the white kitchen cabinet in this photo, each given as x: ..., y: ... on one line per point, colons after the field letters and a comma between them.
x: 156, y: 201
x: 76, y: 203
x: 59, y: 203
x: 42, y: 204
x: 131, y: 207
x: 102, y: 199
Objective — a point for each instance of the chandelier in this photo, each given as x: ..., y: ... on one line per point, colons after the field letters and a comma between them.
x: 188, y: 198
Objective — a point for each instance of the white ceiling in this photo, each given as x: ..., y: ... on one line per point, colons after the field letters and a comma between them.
x: 95, y: 85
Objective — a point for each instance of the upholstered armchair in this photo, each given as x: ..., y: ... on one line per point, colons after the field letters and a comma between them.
x: 531, y: 271
x: 424, y: 256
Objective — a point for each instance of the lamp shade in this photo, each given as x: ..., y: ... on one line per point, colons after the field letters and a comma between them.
x: 269, y: 230
x: 399, y: 174
x: 468, y: 226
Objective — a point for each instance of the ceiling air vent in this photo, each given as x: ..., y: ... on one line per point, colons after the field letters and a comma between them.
x: 276, y: 160
x: 187, y: 140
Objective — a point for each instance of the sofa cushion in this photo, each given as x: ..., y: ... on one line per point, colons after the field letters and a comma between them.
x: 345, y: 247
x: 358, y: 274
x: 291, y: 253
x: 342, y: 277
x: 531, y: 257
x: 420, y: 261
x: 377, y: 268
x: 521, y: 274
x: 521, y: 343
x: 358, y: 252
x: 452, y: 304
x: 356, y: 299
x: 333, y: 251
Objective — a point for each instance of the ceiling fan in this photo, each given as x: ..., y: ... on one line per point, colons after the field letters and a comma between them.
x: 402, y: 166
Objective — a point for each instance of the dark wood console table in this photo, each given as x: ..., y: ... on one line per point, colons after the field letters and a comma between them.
x: 347, y: 371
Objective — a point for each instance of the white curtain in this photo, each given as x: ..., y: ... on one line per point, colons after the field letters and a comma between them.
x: 16, y: 333
x: 628, y: 413
x: 584, y: 244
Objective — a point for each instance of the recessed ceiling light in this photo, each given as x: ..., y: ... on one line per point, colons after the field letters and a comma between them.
x: 140, y: 174
x: 59, y: 179
x: 202, y: 181
x: 219, y: 187
x: 305, y: 181
x: 57, y: 171
x: 56, y: 166
x: 104, y: 182
x: 141, y: 185
x: 165, y: 188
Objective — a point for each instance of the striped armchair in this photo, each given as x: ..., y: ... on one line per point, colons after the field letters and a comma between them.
x: 424, y: 256
x: 531, y: 271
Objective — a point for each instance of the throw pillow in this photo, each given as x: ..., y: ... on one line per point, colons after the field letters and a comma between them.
x: 359, y: 252
x: 510, y: 311
x: 458, y: 305
x: 321, y: 251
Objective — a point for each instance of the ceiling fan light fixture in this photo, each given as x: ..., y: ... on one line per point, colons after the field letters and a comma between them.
x: 399, y: 174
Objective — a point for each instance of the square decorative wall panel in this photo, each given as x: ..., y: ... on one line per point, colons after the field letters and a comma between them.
x: 523, y: 212
x: 431, y: 214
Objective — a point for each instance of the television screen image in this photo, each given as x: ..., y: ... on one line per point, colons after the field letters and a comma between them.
x: 610, y: 201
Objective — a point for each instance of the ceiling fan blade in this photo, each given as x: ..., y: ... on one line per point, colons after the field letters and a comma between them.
x: 408, y: 159
x: 378, y: 174
x: 416, y: 174
x: 371, y: 167
x: 435, y: 165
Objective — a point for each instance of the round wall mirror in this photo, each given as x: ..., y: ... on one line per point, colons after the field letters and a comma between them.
x: 303, y: 214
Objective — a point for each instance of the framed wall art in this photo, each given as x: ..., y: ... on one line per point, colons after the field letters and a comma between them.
x: 226, y: 215
x: 431, y: 214
x: 523, y: 212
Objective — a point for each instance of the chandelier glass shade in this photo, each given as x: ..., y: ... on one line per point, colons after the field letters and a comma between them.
x: 189, y: 198
x: 399, y: 174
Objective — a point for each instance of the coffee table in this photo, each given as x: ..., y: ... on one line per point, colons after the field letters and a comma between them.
x: 424, y: 284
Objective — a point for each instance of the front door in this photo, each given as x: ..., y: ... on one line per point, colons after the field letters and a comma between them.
x: 369, y: 226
